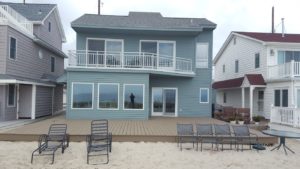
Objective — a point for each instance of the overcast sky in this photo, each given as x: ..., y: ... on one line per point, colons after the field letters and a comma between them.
x: 229, y: 15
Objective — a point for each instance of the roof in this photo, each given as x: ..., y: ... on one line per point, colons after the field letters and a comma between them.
x: 142, y: 21
x: 33, y: 12
x: 49, y: 47
x: 272, y: 37
x: 254, y: 79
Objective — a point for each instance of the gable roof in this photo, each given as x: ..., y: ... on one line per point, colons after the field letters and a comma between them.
x: 33, y: 12
x: 254, y: 79
x: 142, y: 21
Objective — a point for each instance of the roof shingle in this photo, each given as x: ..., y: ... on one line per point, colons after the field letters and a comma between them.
x: 273, y: 37
x: 254, y: 79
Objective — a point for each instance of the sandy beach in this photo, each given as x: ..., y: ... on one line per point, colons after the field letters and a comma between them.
x: 16, y: 155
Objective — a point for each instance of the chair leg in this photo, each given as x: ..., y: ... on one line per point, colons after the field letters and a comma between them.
x: 32, y: 157
x: 53, y: 154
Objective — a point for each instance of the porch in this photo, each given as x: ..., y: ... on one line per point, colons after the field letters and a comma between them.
x: 287, y: 116
x: 286, y: 70
x: 156, y: 129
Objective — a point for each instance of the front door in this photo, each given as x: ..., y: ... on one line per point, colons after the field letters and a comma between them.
x: 164, y: 101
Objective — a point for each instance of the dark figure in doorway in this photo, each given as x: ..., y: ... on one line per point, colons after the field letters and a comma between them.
x: 132, y: 99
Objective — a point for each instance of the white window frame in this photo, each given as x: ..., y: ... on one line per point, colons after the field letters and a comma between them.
x: 124, y: 87
x: 207, y: 89
x: 51, y: 64
x: 15, y: 94
x: 163, y: 111
x: 257, y: 53
x: 98, y: 96
x: 9, y: 48
x: 92, y: 96
x: 104, y: 39
x: 202, y: 60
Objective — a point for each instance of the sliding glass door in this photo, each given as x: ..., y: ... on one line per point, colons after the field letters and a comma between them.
x: 164, y: 101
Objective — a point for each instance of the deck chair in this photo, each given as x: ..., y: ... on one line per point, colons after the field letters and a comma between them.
x: 223, y: 135
x: 185, y: 134
x: 243, y: 136
x: 49, y: 143
x: 205, y: 134
x: 100, y: 140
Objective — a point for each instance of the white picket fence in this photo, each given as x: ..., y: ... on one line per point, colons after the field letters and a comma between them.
x: 285, y: 116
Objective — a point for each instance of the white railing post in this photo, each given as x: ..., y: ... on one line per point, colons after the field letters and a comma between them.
x: 292, y: 73
x: 104, y: 54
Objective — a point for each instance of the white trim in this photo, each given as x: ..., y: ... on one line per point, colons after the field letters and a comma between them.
x: 98, y: 96
x: 207, y: 89
x: 9, y: 38
x: 15, y: 95
x: 92, y: 96
x: 163, y: 113
x: 152, y: 102
x: 14, y: 81
x: 33, y: 102
x: 124, y: 87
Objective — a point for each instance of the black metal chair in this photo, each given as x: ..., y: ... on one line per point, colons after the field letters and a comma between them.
x: 185, y: 134
x: 100, y: 141
x: 244, y: 136
x: 205, y: 134
x: 49, y: 143
x: 223, y: 135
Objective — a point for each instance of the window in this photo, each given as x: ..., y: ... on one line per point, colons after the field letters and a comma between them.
x: 202, y: 55
x: 52, y: 64
x: 257, y: 60
x: 224, y: 97
x: 281, y: 98
x: 11, y: 95
x: 234, y: 40
x: 82, y: 95
x: 49, y: 26
x: 12, y: 48
x: 204, y: 95
x: 223, y: 68
x: 134, y: 96
x: 236, y: 70
x: 108, y: 96
x: 287, y: 56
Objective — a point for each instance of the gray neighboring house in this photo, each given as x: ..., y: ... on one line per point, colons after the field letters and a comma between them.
x: 140, y: 65
x: 31, y: 60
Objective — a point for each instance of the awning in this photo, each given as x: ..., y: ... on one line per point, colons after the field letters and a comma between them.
x: 12, y: 79
x: 254, y: 79
x: 62, y: 78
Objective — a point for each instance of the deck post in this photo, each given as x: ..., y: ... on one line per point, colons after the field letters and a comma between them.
x: 243, y: 97
x: 251, y: 101
x: 33, y: 101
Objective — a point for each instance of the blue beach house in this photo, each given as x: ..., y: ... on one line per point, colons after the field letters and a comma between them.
x: 140, y: 65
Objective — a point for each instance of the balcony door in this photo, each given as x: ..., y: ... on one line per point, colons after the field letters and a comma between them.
x: 164, y: 101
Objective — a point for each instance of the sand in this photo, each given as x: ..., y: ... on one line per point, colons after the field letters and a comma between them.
x: 16, y: 155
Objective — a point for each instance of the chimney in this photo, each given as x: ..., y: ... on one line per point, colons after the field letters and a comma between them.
x: 99, y: 6
x: 282, y: 24
x: 273, y: 30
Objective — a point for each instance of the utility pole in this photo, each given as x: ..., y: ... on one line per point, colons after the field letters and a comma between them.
x: 273, y: 29
x: 99, y: 7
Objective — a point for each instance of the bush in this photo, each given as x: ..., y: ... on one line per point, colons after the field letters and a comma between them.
x: 258, y: 118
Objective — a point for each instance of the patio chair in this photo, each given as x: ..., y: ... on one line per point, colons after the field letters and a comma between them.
x: 100, y: 141
x: 243, y: 136
x: 223, y: 135
x: 49, y: 143
x: 205, y: 134
x: 185, y: 134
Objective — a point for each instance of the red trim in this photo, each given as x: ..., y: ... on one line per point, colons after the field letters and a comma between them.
x: 273, y: 37
x: 254, y: 79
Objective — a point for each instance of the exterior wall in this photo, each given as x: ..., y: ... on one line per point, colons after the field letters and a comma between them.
x: 44, y: 103
x: 54, y: 38
x: 58, y: 98
x: 2, y: 101
x: 28, y: 64
x: 3, y: 47
x: 244, y: 50
x: 97, y: 77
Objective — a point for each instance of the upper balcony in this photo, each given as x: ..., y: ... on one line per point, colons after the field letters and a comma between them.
x: 130, y: 61
x: 286, y: 70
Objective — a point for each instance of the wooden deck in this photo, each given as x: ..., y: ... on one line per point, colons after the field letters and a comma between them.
x: 155, y: 129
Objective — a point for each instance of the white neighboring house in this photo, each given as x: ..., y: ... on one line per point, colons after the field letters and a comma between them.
x: 260, y: 71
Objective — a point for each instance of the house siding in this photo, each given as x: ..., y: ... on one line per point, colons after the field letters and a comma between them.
x: 2, y: 102
x: 58, y: 98
x: 43, y: 101
x: 3, y: 47
x: 54, y: 38
x: 95, y: 78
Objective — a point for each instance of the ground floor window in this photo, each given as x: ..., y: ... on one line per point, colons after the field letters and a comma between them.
x: 204, y: 95
x: 11, y: 95
x: 281, y: 98
x: 108, y: 94
x: 224, y: 97
x: 82, y: 95
x: 134, y: 96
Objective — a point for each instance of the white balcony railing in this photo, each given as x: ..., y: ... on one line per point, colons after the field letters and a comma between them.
x: 128, y: 60
x: 286, y: 70
x: 8, y: 14
x: 286, y: 116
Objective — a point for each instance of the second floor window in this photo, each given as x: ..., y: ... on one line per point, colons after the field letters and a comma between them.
x: 224, y: 69
x: 257, y: 60
x: 288, y: 56
x: 12, y: 48
x: 49, y: 26
x: 236, y: 66
x: 52, y: 64
x: 201, y: 55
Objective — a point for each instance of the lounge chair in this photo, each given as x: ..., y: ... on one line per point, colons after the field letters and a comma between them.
x: 243, y: 136
x: 49, y: 143
x: 205, y: 134
x: 185, y: 134
x: 100, y: 140
x: 223, y: 135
